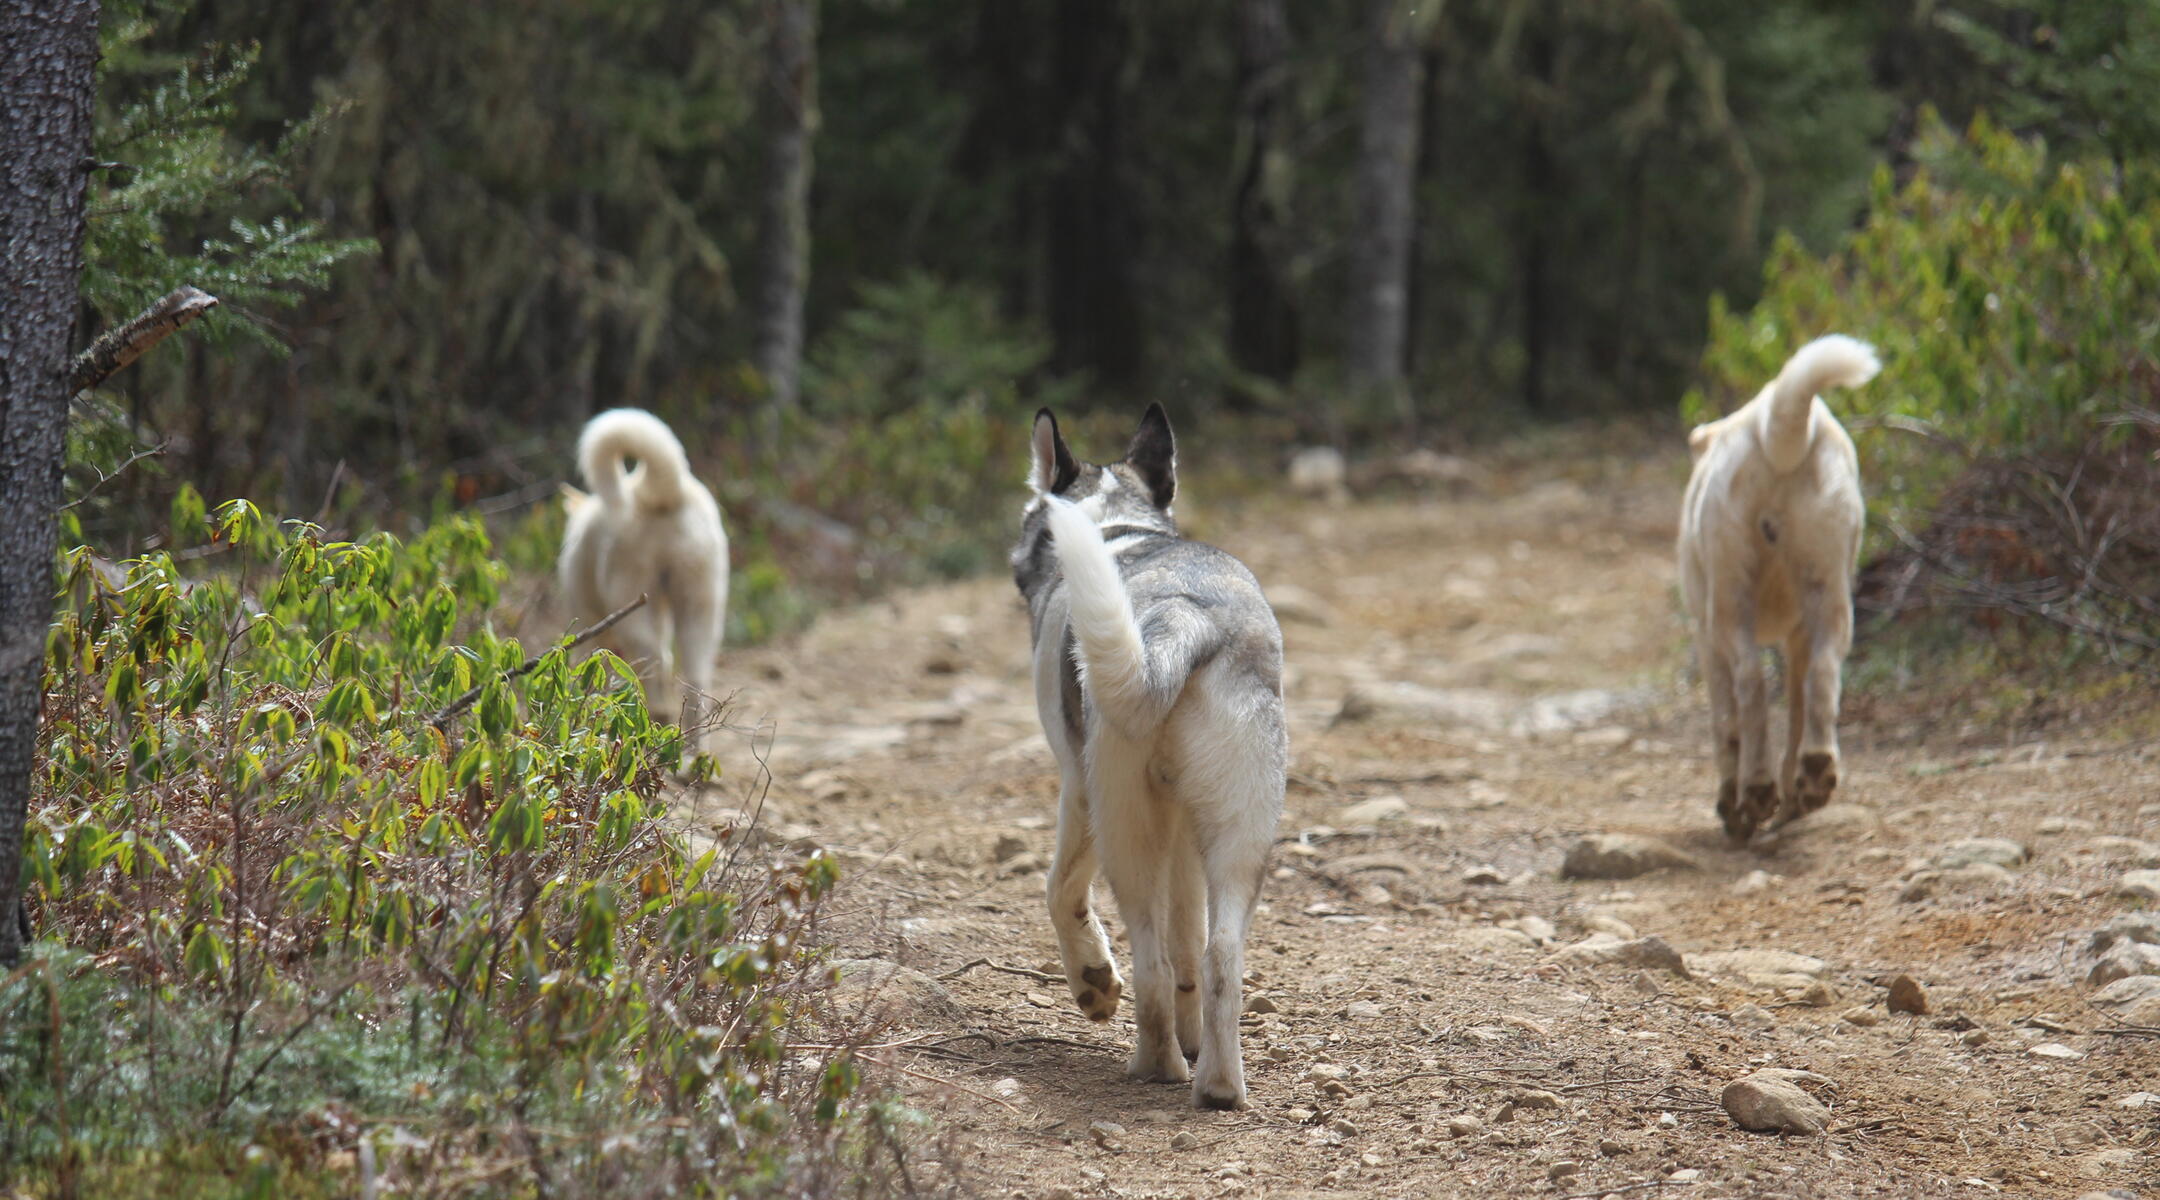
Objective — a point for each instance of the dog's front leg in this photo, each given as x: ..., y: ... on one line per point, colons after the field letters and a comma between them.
x: 1090, y: 970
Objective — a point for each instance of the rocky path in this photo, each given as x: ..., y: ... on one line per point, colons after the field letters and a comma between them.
x: 1488, y: 699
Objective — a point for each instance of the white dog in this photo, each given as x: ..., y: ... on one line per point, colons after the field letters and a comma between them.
x: 653, y: 530
x: 1769, y: 541
x: 1158, y: 677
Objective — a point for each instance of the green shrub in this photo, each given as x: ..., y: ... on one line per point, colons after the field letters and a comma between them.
x: 2015, y: 300
x: 311, y: 906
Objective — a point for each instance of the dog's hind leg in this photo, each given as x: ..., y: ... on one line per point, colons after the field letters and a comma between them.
x: 1234, y: 860
x: 1136, y: 833
x: 1725, y: 732
x: 1750, y: 699
x: 1795, y: 666
x: 1188, y: 935
x: 1828, y: 624
x: 1090, y: 971
x: 697, y: 627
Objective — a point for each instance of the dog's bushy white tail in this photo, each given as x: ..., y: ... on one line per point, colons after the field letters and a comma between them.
x: 1827, y: 362
x: 621, y: 433
x: 1113, y: 660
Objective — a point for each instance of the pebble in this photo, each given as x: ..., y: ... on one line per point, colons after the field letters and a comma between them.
x: 1762, y: 968
x: 1463, y: 1125
x: 1622, y: 856
x: 1537, y: 929
x: 1974, y: 1037
x: 1535, y: 1098
x: 2001, y: 852
x: 2139, y: 1100
x: 2128, y: 927
x: 2055, y: 1050
x: 1863, y: 1016
x: 1258, y: 1002
x: 1908, y: 995
x: 1343, y: 1126
x: 1107, y: 1134
x: 1183, y: 1141
x: 1612, y: 925
x: 1772, y: 1101
x: 1374, y: 811
x: 2140, y: 885
x: 2125, y: 960
x: 1302, y: 1115
x: 1562, y: 1169
x: 1364, y: 1010
x: 1612, y: 1149
x: 1816, y: 995
x: 1971, y: 877
x: 2135, y: 852
x: 1753, y: 1016
x: 1755, y: 881
x: 1483, y: 875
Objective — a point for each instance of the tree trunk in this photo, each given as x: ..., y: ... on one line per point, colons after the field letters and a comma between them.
x: 1263, y: 316
x: 1537, y: 211
x: 1386, y: 182
x: 47, y: 48
x: 783, y: 251
x: 1430, y: 128
x: 1093, y: 301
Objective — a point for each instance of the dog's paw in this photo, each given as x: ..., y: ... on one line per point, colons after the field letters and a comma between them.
x: 1096, y: 991
x: 1219, y: 1101
x: 1739, y: 821
x: 1161, y: 1064
x: 1760, y: 801
x: 1818, y: 780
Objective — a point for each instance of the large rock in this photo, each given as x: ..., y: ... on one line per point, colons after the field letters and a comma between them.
x: 2132, y: 989
x: 1622, y: 856
x: 2125, y: 960
x: 2001, y: 852
x: 890, y: 991
x: 1774, y: 969
x: 1445, y: 708
x: 1772, y: 1101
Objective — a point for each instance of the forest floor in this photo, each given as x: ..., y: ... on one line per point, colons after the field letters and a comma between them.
x: 1432, y: 1032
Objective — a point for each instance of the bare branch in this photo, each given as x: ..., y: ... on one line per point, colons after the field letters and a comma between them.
x: 105, y: 477
x: 112, y: 352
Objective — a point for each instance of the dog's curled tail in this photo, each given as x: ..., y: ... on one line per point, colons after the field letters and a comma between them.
x: 1827, y: 362
x: 1113, y: 659
x: 621, y: 433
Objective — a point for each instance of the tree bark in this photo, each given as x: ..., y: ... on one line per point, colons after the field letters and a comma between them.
x: 117, y: 348
x: 1093, y: 299
x: 47, y: 52
x: 783, y: 252
x: 1537, y: 211
x: 1386, y: 184
x: 1263, y: 315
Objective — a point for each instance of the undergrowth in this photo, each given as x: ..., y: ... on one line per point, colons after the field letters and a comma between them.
x: 335, y: 900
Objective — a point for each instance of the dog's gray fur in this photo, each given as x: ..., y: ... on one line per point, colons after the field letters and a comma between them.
x: 1159, y: 682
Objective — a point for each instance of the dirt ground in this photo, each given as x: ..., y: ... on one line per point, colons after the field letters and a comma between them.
x: 1430, y: 1032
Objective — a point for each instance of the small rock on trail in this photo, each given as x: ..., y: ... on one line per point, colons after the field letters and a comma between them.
x: 2001, y: 852
x: 2124, y: 961
x: 1908, y: 995
x: 2140, y: 885
x: 1622, y: 856
x: 902, y: 993
x: 1771, y: 1101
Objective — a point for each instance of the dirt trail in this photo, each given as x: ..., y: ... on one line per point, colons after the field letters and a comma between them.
x: 1430, y: 1033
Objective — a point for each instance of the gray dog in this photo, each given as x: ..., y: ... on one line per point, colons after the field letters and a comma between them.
x: 1158, y: 675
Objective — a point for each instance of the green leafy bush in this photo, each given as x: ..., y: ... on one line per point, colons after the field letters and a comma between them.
x: 2015, y: 300
x: 313, y: 907
x: 2009, y: 447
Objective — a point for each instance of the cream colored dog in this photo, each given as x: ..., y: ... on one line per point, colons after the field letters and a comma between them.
x: 1769, y: 541
x: 654, y: 530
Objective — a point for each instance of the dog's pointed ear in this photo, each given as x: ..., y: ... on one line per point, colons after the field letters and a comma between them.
x: 1051, y: 467
x: 1153, y: 455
